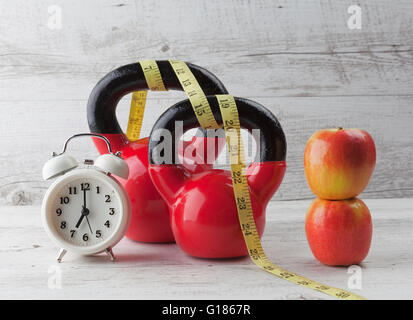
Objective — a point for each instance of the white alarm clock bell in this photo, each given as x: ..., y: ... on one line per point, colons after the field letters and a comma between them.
x: 86, y: 211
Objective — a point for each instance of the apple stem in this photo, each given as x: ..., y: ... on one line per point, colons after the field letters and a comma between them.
x: 340, y: 128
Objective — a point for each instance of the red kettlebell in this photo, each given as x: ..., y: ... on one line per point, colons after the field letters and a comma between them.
x: 204, y: 216
x: 150, y: 216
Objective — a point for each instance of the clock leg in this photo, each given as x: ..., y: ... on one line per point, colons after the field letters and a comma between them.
x: 109, y: 252
x: 62, y: 252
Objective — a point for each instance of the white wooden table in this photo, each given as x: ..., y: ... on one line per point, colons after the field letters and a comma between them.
x: 163, y: 271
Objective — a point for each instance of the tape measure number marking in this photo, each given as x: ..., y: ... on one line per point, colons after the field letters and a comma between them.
x: 195, y: 95
x: 154, y: 81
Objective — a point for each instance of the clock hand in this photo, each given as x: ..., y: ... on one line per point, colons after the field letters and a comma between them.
x: 83, y: 214
x: 89, y: 225
x: 86, y: 213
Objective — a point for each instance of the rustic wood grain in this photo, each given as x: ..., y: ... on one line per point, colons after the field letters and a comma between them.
x: 298, y: 58
x: 150, y: 271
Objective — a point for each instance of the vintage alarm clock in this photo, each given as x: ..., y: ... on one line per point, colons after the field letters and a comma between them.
x: 86, y: 210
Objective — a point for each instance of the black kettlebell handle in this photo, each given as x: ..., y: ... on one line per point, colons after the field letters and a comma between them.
x: 102, y: 103
x: 252, y: 115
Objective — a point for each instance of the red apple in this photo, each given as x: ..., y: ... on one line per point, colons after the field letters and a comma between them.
x: 339, y: 162
x: 339, y: 232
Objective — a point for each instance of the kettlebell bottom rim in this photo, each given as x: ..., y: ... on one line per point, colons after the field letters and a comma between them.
x: 252, y: 115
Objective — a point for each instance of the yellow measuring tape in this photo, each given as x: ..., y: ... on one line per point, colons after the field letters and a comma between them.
x: 195, y: 95
x: 231, y: 122
x: 137, y: 108
x: 232, y: 127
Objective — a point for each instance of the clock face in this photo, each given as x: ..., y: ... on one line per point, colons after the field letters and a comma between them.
x: 85, y: 211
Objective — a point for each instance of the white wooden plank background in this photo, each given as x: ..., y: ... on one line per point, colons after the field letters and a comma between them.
x: 298, y: 58
x: 163, y: 271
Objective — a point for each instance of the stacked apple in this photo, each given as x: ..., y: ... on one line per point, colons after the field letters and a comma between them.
x: 338, y: 165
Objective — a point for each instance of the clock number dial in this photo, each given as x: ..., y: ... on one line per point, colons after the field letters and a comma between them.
x: 85, y: 186
x: 72, y: 190
x: 64, y: 200
x: 101, y: 209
